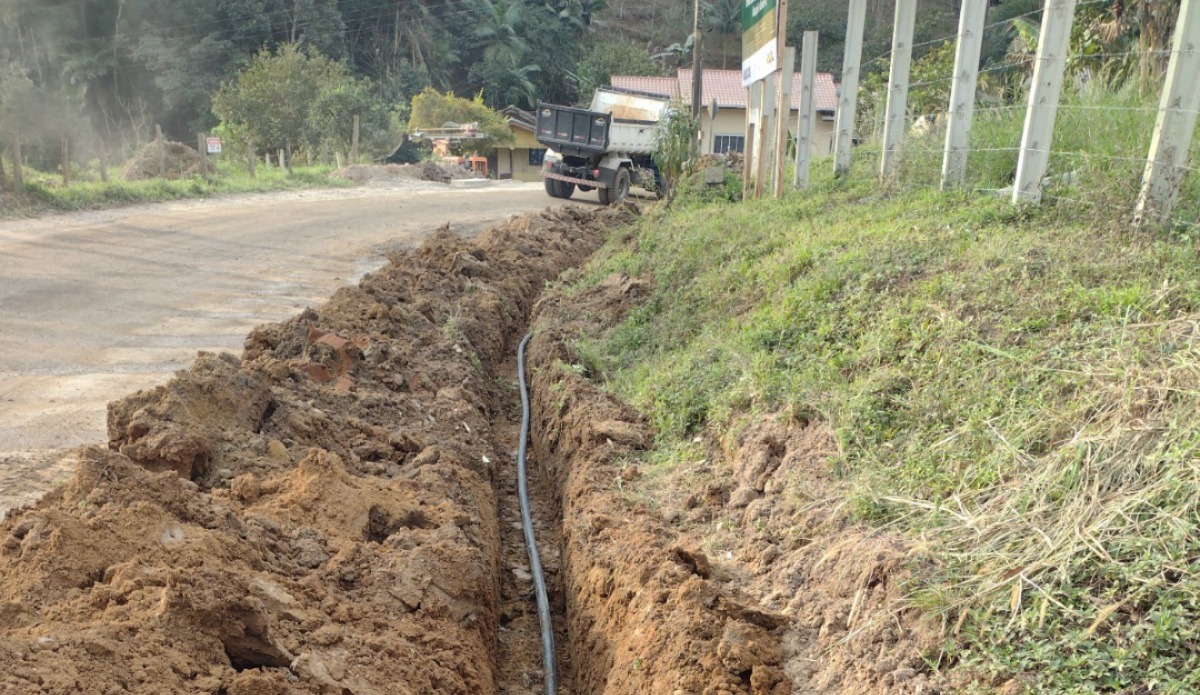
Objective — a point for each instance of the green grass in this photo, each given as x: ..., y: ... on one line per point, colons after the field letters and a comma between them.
x: 1018, y: 386
x: 45, y: 192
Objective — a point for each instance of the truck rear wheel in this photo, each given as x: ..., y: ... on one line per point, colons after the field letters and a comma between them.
x: 559, y: 189
x: 619, y: 190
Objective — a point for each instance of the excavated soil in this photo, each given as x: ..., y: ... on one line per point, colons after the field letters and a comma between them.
x: 182, y: 162
x: 331, y: 513
x: 740, y: 573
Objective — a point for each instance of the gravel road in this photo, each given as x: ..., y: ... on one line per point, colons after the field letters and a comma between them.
x: 97, y: 305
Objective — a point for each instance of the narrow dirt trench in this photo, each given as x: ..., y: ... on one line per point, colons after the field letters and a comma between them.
x: 519, y: 646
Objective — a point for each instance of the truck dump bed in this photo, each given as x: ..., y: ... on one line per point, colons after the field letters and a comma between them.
x: 572, y: 131
x: 619, y: 121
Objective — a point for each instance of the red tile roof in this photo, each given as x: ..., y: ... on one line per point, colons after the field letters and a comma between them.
x: 661, y: 86
x: 723, y: 85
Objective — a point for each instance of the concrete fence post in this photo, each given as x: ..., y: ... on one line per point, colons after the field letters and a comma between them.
x: 856, y: 20
x: 808, y: 109
x: 1048, y: 70
x: 895, y: 120
x: 962, y: 92
x: 1176, y: 121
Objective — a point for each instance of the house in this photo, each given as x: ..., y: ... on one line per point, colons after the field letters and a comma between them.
x: 522, y: 159
x: 728, y: 130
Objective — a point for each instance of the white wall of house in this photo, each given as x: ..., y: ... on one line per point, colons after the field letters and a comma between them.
x: 732, y: 122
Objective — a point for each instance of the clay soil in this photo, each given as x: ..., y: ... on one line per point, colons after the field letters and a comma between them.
x: 330, y: 513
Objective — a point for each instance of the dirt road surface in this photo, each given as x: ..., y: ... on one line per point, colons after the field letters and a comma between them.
x: 96, y: 305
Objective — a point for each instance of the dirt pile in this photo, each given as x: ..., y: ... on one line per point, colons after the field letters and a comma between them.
x: 316, y: 517
x: 791, y: 596
x: 183, y: 162
x: 425, y: 171
x: 648, y: 611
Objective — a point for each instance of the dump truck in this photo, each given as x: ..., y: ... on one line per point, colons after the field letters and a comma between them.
x: 608, y: 147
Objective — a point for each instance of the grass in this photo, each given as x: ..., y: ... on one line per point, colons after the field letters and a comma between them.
x: 1018, y: 386
x: 45, y: 192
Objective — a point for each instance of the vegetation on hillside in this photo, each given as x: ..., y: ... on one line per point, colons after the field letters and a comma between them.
x: 1019, y: 388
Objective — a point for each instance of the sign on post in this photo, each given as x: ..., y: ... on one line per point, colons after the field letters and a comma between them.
x: 213, y: 145
x: 760, y: 52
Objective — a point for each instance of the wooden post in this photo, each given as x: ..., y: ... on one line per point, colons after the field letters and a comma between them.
x: 748, y: 142
x: 962, y: 93
x: 697, y: 67
x: 203, y: 150
x: 354, y: 143
x: 785, y: 116
x: 283, y: 163
x: 895, y: 120
x: 18, y: 168
x: 325, y: 152
x: 761, y: 141
x: 65, y: 149
x: 3, y: 174
x: 103, y: 161
x: 808, y: 109
x: 1043, y: 99
x: 1176, y: 120
x: 162, y: 153
x: 848, y: 99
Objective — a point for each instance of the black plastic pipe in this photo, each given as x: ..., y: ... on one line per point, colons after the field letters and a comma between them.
x: 549, y: 665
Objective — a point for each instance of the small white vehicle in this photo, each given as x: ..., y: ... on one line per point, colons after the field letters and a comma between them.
x: 608, y: 147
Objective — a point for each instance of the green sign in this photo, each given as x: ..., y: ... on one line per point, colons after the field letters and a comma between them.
x: 760, y: 56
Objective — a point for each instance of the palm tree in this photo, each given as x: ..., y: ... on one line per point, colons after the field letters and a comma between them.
x: 498, y: 32
x: 725, y: 18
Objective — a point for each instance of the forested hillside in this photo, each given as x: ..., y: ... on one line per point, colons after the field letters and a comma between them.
x: 105, y: 72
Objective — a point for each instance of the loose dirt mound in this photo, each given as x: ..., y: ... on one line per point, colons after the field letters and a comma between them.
x: 317, y: 517
x: 182, y: 162
x: 425, y: 171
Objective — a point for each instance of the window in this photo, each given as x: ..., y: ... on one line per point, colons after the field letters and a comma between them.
x: 729, y: 143
x: 536, y: 155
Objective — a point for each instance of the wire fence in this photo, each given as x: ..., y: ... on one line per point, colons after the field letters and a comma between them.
x: 1098, y: 149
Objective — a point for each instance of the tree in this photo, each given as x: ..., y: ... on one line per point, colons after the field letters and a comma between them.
x: 269, y: 101
x: 724, y: 18
x: 602, y: 59
x: 331, y: 117
x: 433, y: 109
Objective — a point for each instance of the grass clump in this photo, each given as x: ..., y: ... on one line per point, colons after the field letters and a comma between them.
x: 45, y: 193
x: 1020, y: 387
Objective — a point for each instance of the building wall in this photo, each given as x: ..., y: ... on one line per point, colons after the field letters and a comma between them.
x: 512, y: 162
x: 732, y: 121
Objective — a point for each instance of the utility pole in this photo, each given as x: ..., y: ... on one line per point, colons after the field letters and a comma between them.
x: 697, y: 80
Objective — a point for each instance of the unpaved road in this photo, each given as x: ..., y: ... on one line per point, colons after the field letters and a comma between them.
x: 96, y: 305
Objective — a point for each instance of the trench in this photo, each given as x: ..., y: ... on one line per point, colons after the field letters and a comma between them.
x: 336, y: 511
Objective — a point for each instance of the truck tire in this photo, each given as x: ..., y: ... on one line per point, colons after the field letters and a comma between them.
x: 565, y: 189
x: 551, y: 187
x: 619, y: 190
